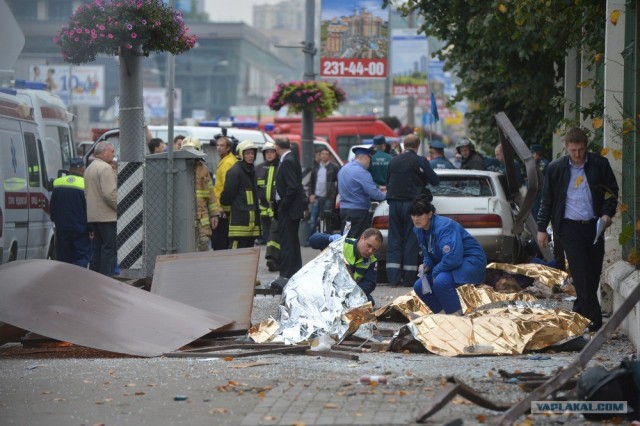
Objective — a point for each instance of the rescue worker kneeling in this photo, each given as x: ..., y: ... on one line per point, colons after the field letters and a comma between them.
x: 206, y: 202
x: 451, y: 258
x: 359, y: 255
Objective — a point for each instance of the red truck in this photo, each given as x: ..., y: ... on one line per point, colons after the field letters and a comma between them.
x: 341, y: 132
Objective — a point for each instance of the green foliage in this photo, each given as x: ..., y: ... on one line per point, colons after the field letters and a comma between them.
x: 510, y: 56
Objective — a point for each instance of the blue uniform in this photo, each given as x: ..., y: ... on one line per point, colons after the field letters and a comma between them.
x: 453, y: 257
x: 69, y: 213
x: 356, y: 188
x: 441, y: 163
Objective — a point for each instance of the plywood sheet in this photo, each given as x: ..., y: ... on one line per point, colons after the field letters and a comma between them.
x: 221, y: 282
x: 73, y: 304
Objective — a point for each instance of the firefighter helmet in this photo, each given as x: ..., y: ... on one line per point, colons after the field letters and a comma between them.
x: 191, y: 142
x: 243, y: 146
x: 269, y: 146
x: 465, y: 142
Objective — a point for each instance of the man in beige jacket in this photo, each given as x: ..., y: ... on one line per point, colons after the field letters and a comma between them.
x: 101, y: 191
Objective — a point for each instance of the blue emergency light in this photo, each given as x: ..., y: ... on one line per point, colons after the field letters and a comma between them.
x: 35, y: 85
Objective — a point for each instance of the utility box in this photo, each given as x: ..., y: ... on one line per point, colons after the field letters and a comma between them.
x: 159, y: 214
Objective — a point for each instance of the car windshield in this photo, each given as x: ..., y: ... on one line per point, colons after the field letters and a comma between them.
x: 462, y: 186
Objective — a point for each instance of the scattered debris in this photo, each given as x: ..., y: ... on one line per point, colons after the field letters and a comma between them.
x: 85, y: 308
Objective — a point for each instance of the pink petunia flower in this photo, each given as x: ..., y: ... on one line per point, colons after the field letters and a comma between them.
x: 134, y: 35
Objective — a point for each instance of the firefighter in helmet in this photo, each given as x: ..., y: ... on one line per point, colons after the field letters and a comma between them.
x: 241, y: 193
x: 206, y: 201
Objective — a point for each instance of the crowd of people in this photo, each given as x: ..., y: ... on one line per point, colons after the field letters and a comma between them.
x: 242, y: 205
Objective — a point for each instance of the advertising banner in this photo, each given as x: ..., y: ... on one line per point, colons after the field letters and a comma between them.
x: 354, y: 37
x: 156, y: 103
x: 76, y: 85
x: 409, y: 62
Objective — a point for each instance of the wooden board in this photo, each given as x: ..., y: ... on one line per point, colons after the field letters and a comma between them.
x: 76, y: 305
x: 222, y: 282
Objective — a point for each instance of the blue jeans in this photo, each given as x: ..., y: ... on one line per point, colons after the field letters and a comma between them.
x: 105, y: 253
x: 316, y: 208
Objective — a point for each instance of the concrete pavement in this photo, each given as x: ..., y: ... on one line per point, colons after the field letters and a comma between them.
x: 266, y: 390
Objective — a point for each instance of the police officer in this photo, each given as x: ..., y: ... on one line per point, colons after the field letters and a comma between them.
x: 359, y: 255
x: 207, y: 208
x: 69, y: 213
x: 438, y: 160
x: 357, y: 188
x: 241, y: 194
x: 409, y: 174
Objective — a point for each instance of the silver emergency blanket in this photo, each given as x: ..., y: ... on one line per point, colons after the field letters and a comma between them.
x: 316, y: 300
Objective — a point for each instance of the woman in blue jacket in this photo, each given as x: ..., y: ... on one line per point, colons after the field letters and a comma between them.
x: 451, y: 258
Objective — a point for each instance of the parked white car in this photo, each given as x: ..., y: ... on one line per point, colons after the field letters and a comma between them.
x: 478, y: 201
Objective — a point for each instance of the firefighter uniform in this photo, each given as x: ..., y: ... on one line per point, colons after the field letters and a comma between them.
x: 265, y: 178
x: 206, y: 201
x: 241, y: 194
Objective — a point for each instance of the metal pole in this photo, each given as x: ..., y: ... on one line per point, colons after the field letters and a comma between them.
x: 171, y: 74
x: 131, y: 105
x: 411, y: 102
x: 388, y: 79
x: 307, y: 116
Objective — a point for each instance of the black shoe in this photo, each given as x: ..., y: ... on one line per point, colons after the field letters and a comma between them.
x: 272, y: 267
x: 595, y: 327
x: 278, y: 284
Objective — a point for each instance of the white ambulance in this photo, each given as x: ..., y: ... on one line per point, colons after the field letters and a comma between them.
x: 35, y: 146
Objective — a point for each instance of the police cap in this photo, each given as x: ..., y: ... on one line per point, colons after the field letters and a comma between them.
x: 437, y: 144
x: 358, y: 150
x: 536, y: 148
x: 76, y: 163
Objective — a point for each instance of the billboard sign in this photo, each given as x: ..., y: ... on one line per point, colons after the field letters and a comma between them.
x: 354, y: 37
x: 76, y: 85
x: 156, y: 103
x: 409, y: 62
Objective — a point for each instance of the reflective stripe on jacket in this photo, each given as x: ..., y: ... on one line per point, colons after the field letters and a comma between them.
x: 240, y: 193
x: 206, y: 201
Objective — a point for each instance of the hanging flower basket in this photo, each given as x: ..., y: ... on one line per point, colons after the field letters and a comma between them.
x: 107, y: 26
x: 319, y: 97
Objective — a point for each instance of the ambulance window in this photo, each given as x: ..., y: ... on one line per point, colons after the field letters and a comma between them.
x: 12, y: 162
x: 55, y: 145
x: 32, y: 159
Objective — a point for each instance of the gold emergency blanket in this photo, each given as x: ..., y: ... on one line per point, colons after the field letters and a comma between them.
x: 409, y: 305
x: 504, y: 331
x: 317, y: 301
x: 545, y: 274
x: 472, y: 297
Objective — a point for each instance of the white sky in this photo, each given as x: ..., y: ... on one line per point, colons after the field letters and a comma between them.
x: 233, y: 10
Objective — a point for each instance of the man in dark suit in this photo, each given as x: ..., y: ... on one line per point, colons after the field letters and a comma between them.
x: 289, y: 211
x: 579, y: 191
